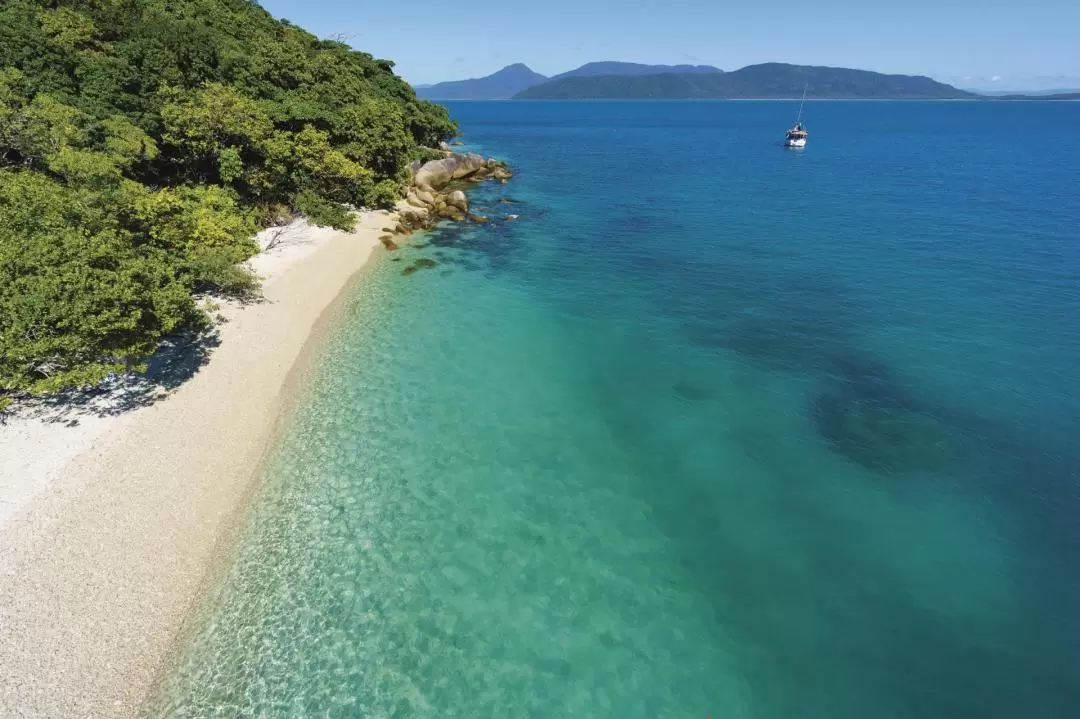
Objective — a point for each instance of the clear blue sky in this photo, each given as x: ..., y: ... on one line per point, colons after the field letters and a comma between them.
x: 1016, y: 41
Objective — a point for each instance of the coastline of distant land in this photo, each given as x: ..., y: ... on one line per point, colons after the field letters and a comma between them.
x: 767, y: 81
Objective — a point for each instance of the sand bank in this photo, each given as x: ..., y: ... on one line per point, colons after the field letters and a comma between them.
x: 109, y: 511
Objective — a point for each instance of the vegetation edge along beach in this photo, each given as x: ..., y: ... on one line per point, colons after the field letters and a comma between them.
x: 143, y: 146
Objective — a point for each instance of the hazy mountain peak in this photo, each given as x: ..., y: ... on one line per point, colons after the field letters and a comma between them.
x: 612, y: 67
x: 500, y: 85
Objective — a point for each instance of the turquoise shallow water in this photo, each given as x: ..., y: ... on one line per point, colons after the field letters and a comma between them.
x: 714, y: 429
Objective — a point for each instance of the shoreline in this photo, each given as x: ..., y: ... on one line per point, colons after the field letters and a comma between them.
x: 109, y: 536
x: 222, y: 555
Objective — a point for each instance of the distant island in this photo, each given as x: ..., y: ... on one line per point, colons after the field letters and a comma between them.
x: 635, y: 81
x: 1039, y: 96
x: 769, y: 80
x: 515, y: 79
x: 632, y: 81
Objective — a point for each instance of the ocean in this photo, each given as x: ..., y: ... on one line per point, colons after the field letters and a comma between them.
x: 713, y: 428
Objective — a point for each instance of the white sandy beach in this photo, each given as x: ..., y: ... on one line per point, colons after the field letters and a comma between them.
x: 108, y: 522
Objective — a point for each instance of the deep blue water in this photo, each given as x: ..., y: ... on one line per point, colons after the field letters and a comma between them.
x: 715, y: 428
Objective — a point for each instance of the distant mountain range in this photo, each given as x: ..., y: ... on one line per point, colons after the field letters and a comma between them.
x: 594, y: 69
x: 633, y: 81
x: 504, y: 84
x: 769, y: 80
x: 513, y: 79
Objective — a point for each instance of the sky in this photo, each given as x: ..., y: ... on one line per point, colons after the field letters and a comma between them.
x: 1033, y: 44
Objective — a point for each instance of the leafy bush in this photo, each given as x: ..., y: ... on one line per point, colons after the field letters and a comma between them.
x: 78, y: 298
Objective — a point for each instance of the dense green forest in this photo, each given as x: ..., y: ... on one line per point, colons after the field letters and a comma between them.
x: 144, y: 142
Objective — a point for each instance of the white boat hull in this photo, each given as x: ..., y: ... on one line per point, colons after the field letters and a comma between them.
x: 796, y: 142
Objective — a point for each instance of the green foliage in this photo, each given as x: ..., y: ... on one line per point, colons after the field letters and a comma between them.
x: 144, y: 142
x: 125, y: 144
x: 322, y: 212
x: 201, y: 123
x: 201, y: 225
x: 78, y: 298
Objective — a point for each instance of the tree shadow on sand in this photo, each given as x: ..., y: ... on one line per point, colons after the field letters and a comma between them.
x: 177, y: 360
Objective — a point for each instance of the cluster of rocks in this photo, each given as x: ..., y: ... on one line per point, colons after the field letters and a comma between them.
x: 434, y: 196
x: 436, y: 175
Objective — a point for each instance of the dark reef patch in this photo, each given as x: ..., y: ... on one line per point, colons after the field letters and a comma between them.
x: 882, y: 434
x: 775, y: 343
x: 420, y: 264
x: 690, y: 391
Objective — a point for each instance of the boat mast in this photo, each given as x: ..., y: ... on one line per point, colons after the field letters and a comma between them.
x: 801, y: 102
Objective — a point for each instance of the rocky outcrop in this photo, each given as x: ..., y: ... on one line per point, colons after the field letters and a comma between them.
x: 438, y: 174
x: 457, y: 199
x: 435, y: 194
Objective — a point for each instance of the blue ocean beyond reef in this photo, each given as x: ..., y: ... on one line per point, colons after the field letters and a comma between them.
x: 714, y: 429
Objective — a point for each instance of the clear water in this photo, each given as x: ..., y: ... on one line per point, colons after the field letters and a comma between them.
x: 714, y: 429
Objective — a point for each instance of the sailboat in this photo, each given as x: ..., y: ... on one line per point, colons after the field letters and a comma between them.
x: 796, y: 136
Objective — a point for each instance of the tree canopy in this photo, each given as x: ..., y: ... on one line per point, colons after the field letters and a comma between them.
x: 142, y: 145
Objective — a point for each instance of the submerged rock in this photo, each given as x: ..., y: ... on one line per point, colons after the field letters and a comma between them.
x: 480, y: 219
x: 690, y: 391
x: 786, y: 343
x: 882, y: 434
x: 420, y: 264
x: 388, y: 242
